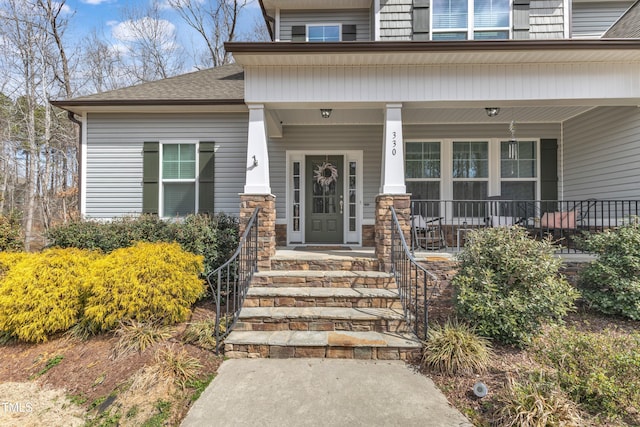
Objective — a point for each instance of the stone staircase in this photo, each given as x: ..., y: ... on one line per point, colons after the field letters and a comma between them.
x: 333, y: 305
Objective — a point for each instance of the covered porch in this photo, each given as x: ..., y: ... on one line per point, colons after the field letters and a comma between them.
x: 337, y: 137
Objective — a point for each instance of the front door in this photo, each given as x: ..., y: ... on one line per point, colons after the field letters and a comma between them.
x: 324, y: 199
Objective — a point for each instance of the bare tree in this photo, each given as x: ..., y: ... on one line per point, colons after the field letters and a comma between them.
x: 22, y: 31
x: 102, y: 62
x: 216, y: 21
x: 150, y: 50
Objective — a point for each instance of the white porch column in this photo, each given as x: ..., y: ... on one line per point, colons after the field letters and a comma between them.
x: 392, y: 181
x: 257, y: 180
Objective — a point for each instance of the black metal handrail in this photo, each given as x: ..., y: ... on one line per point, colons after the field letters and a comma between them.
x: 415, y: 283
x: 564, y: 221
x: 230, y: 282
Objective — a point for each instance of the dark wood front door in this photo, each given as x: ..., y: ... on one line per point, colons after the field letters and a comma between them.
x: 324, y: 199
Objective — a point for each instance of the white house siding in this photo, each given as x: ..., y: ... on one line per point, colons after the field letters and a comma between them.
x: 449, y: 82
x: 114, y: 157
x: 546, y: 19
x: 602, y: 154
x: 396, y: 20
x: 592, y: 19
x: 358, y: 17
x: 329, y: 138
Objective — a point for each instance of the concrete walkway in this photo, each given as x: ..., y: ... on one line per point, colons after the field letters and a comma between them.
x: 321, y: 392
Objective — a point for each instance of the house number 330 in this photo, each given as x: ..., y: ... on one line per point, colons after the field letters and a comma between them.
x: 394, y: 143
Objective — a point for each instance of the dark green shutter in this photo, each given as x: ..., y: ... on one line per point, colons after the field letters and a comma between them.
x: 548, y: 170
x: 298, y: 33
x: 349, y: 33
x: 206, y: 177
x: 150, y: 177
x: 421, y: 19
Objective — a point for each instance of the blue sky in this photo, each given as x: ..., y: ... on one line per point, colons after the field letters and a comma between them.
x: 105, y: 16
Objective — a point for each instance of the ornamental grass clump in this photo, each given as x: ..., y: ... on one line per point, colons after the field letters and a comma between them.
x: 44, y: 293
x: 536, y: 402
x: 611, y: 284
x: 455, y: 349
x: 508, y: 285
x: 146, y: 282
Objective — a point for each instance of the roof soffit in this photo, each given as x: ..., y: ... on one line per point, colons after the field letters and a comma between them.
x: 425, y: 53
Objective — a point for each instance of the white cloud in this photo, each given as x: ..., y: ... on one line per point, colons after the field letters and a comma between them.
x: 96, y: 2
x: 128, y: 31
x: 66, y: 10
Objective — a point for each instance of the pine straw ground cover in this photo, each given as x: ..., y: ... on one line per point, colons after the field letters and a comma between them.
x: 66, y: 381
x: 509, y: 363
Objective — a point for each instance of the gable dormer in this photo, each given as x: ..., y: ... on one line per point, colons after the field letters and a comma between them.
x: 319, y: 20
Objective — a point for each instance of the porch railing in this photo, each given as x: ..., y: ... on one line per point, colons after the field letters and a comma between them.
x: 415, y: 283
x: 230, y: 282
x: 564, y: 221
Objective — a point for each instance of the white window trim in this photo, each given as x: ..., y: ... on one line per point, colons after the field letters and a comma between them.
x: 162, y: 181
x: 535, y: 179
x: 470, y: 29
x: 298, y: 237
x: 333, y: 24
x: 494, y: 178
x: 440, y: 179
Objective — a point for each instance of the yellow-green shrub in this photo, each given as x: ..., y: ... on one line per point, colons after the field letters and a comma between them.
x: 9, y: 259
x: 43, y: 293
x: 148, y: 281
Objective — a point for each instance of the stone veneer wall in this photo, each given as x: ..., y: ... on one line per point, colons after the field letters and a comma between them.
x: 266, y: 224
x: 402, y: 206
x: 445, y: 269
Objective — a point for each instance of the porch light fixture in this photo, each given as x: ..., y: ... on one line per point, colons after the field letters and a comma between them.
x: 492, y: 111
x: 325, y: 112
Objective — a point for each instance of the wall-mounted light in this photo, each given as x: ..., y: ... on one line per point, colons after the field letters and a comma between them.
x: 325, y: 112
x: 255, y: 161
x: 492, y: 111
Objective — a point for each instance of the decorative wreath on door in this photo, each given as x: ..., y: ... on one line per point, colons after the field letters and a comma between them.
x: 325, y: 174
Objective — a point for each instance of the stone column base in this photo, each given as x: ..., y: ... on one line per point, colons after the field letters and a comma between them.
x: 266, y: 224
x: 402, y: 205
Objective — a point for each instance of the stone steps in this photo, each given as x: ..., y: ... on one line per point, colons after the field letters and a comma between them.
x: 322, y: 297
x: 333, y: 304
x: 321, y: 319
x: 319, y: 262
x: 323, y: 344
x: 324, y: 279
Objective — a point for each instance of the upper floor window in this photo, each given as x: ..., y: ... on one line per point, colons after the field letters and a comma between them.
x: 471, y: 19
x: 323, y: 33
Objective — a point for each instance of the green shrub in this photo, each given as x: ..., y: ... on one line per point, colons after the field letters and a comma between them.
x: 11, y: 238
x: 44, y: 293
x: 600, y: 371
x: 535, y: 402
x: 612, y: 283
x: 215, y: 238
x: 508, y: 285
x: 455, y: 348
x: 146, y: 282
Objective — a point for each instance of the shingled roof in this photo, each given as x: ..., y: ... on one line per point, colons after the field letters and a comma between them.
x: 628, y: 26
x: 219, y: 85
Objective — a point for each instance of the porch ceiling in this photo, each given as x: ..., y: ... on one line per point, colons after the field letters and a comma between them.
x: 475, y: 115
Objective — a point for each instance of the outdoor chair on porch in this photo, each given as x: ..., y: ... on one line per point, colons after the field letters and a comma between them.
x: 427, y: 233
x: 499, y: 213
x: 565, y: 224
